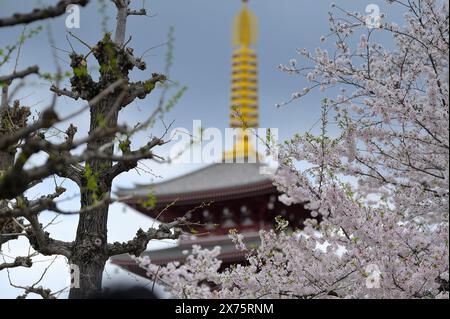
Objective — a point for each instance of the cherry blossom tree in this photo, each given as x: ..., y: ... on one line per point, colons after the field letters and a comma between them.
x: 376, y: 174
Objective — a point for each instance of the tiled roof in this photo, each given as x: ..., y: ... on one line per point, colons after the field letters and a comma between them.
x: 211, y: 178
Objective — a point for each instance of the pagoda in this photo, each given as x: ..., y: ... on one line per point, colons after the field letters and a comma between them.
x: 239, y: 196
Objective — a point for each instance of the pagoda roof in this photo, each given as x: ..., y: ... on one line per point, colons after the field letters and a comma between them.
x: 222, y: 180
x: 228, y: 251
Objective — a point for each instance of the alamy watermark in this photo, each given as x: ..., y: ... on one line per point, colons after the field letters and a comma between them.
x: 212, y: 145
x: 73, y: 18
x: 373, y: 18
x: 74, y: 279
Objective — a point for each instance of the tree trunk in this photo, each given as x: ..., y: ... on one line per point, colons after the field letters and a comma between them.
x: 89, y: 252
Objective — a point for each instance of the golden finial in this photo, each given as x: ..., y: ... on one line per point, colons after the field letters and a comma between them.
x: 245, y: 28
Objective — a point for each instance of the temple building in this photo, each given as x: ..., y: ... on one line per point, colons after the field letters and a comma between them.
x: 221, y: 196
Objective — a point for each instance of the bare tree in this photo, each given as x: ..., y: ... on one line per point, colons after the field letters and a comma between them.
x: 93, y: 170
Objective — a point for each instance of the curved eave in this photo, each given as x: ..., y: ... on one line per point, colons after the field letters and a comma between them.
x: 231, y: 257
x: 221, y: 194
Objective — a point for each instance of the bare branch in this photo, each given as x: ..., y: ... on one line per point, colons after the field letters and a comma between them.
x: 140, y: 12
x: 40, y: 14
x: 42, y: 243
x: 19, y: 74
x: 49, y: 117
x: 65, y: 92
x: 142, y: 89
x: 137, y: 62
x: 41, y: 291
x: 121, y: 20
x: 130, y: 159
x: 24, y: 208
x: 139, y: 243
x: 18, y: 262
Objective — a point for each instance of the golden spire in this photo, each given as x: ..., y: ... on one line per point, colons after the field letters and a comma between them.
x: 244, y: 82
x: 245, y: 29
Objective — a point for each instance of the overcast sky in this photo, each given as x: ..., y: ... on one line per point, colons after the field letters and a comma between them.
x: 202, y: 63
